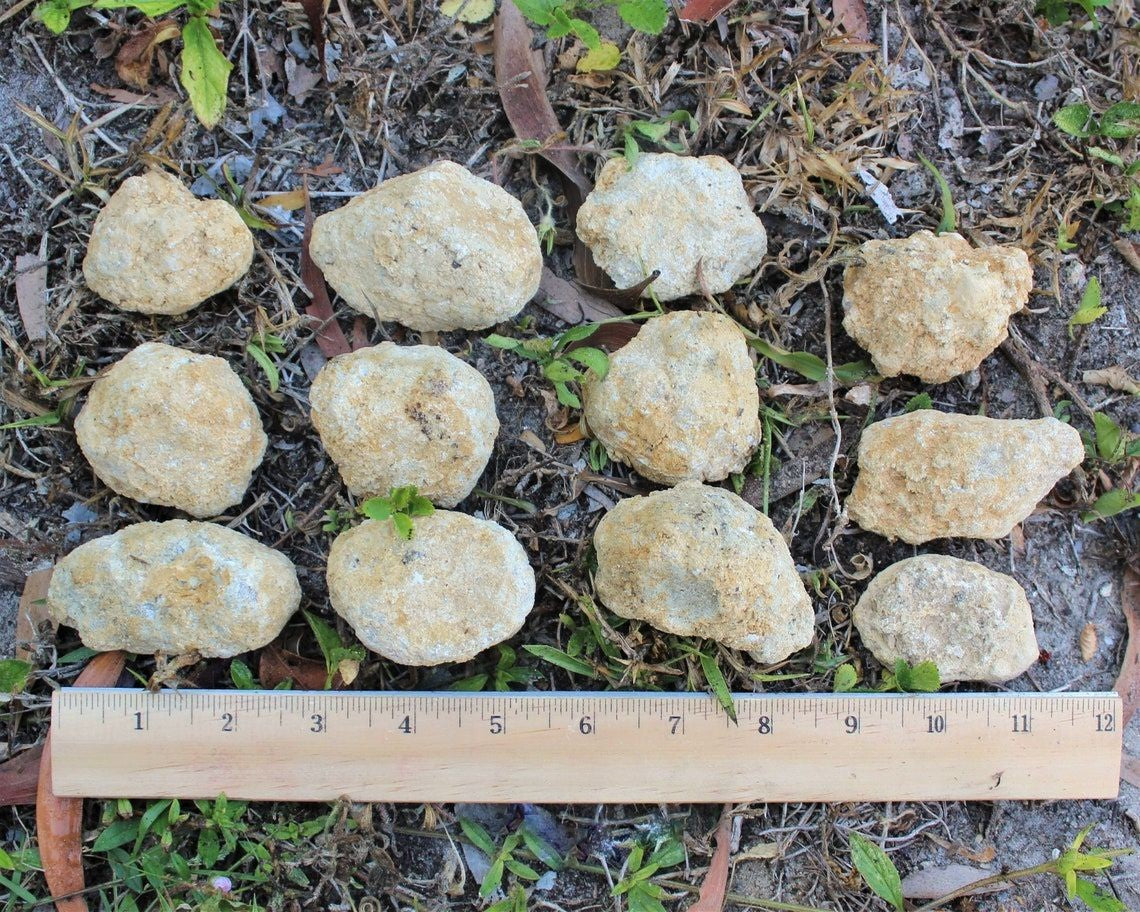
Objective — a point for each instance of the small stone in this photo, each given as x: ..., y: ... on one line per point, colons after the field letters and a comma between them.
x: 680, y: 400
x: 932, y: 305
x: 169, y: 427
x: 935, y: 475
x: 436, y: 249
x: 158, y: 249
x: 699, y: 561
x: 688, y: 217
x: 458, y: 586
x: 175, y: 587
x: 973, y: 623
x: 394, y: 415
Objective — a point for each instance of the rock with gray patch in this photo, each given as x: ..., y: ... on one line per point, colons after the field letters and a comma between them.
x: 175, y: 587
x: 699, y: 561
x: 396, y: 415
x: 688, y: 217
x: 458, y: 586
x: 973, y: 623
x: 930, y: 474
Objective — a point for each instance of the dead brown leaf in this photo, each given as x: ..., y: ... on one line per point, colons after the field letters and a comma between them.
x: 852, y: 15
x: 931, y: 883
x: 59, y: 821
x: 1114, y: 377
x: 19, y: 777
x: 330, y: 337
x: 31, y: 295
x: 315, y: 14
x: 713, y: 887
x: 1130, y: 769
x: 155, y: 98
x: 135, y: 61
x: 704, y: 10
x: 33, y: 612
x: 1087, y: 641
x: 609, y: 337
x: 1128, y: 681
x: 570, y: 303
x: 628, y: 299
x: 278, y: 664
x: 1130, y: 251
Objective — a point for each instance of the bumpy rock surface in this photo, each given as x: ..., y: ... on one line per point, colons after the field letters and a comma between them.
x: 405, y: 415
x: 933, y: 475
x: 680, y: 400
x: 166, y: 426
x: 932, y: 305
x: 158, y: 249
x: 437, y: 249
x: 699, y: 561
x: 973, y: 623
x: 457, y: 587
x: 672, y: 212
x: 175, y: 587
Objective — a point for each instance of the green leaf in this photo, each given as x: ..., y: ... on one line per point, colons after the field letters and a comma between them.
x: 478, y: 836
x: 328, y: 640
x: 506, y: 342
x: 13, y: 675
x: 1110, y: 503
x: 669, y: 853
x: 56, y: 14
x: 655, y: 130
x: 468, y: 10
x: 804, y: 363
x: 403, y: 525
x: 562, y: 660
x: 915, y: 403
x: 920, y: 678
x: 1110, y: 439
x: 561, y: 370
x: 1106, y: 155
x: 119, y: 833
x: 877, y: 869
x: 51, y: 418
x: 1091, y: 309
x: 471, y: 684
x: 593, y: 358
x: 205, y: 71
x: 540, y: 12
x: 1096, y: 899
x: 519, y: 869
x: 541, y: 849
x: 1074, y: 120
x: 585, y: 33
x: 719, y: 686
x: 576, y: 334
x: 492, y: 879
x: 150, y: 8
x: 845, y: 678
x: 853, y: 371
x: 6, y: 862
x: 1116, y: 121
x: 949, y: 221
x: 378, y: 508
x: 632, y: 150
x: 266, y: 364
x: 420, y: 506
x: 644, y: 15
x: 565, y: 396
x: 241, y: 675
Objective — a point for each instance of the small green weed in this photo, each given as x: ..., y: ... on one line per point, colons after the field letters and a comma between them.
x: 560, y: 364
x: 205, y: 69
x: 640, y: 894
x: 400, y: 505
x: 903, y: 678
x: 504, y: 860
x: 949, y: 220
x: 656, y: 131
x: 1120, y: 121
x: 339, y: 657
x: 559, y: 19
x: 1090, y: 308
x: 1060, y: 12
x: 259, y: 348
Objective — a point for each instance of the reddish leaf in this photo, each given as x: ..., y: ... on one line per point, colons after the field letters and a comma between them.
x: 31, y: 295
x: 59, y: 821
x: 852, y: 15
x: 19, y: 777
x: 704, y: 10
x: 315, y: 13
x: 1128, y: 681
x: 711, y: 897
x: 32, y: 612
x: 277, y: 665
x: 521, y: 81
x: 330, y: 337
x: 135, y: 60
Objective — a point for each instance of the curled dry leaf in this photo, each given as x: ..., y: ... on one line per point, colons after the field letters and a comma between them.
x: 33, y: 611
x: 31, y: 295
x: 1114, y: 377
x: 330, y: 337
x: 278, y: 664
x: 1128, y: 681
x: 20, y: 776
x: 1087, y: 641
x: 135, y: 61
x: 852, y: 15
x: 59, y: 821
x: 713, y: 887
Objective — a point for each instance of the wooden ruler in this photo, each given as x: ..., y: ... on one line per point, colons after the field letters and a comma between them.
x: 583, y: 747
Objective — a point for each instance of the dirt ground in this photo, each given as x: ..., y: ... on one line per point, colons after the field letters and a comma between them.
x: 971, y: 85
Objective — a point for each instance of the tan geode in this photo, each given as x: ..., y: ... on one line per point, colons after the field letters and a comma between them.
x: 934, y: 475
x: 688, y: 217
x: 458, y: 586
x: 396, y: 415
x: 436, y: 249
x: 680, y: 400
x: 175, y: 587
x: 932, y: 305
x: 158, y: 249
x: 973, y: 623
x: 169, y: 427
x: 699, y: 561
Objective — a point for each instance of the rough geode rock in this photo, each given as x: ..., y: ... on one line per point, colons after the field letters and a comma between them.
x: 436, y: 249
x: 699, y: 561
x: 458, y: 586
x: 934, y: 475
x: 932, y: 305
x: 973, y: 623
x: 680, y: 400
x: 396, y: 415
x: 169, y: 427
x: 175, y: 587
x: 156, y: 248
x: 673, y: 213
